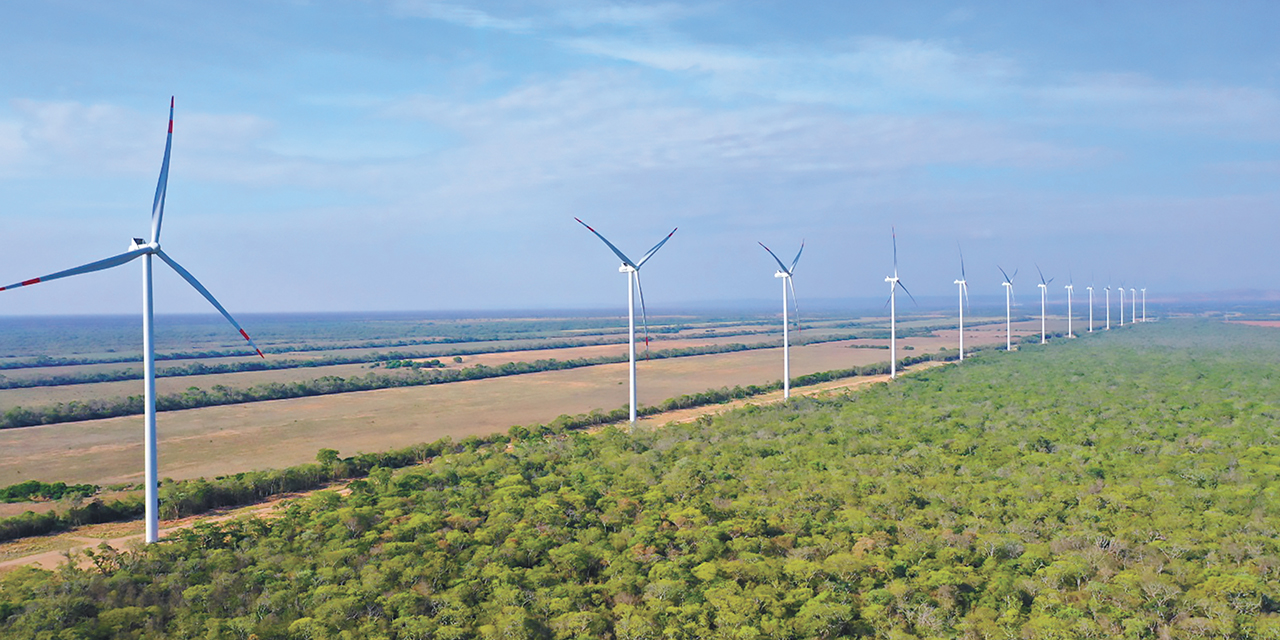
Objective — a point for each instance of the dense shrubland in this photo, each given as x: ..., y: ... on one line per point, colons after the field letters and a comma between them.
x: 1123, y: 485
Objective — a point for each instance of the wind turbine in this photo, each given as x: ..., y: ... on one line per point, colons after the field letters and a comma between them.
x: 1121, y: 305
x: 1133, y: 303
x: 1090, y: 288
x: 785, y: 273
x: 1071, y: 289
x: 145, y: 250
x: 1044, y: 291
x: 1144, y: 304
x: 894, y: 283
x: 632, y: 269
x: 1008, y: 305
x: 963, y: 293
x: 1108, y: 307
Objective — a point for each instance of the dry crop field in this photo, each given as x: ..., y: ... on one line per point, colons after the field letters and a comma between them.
x: 220, y: 440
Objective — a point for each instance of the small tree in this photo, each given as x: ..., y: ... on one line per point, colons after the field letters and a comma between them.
x: 327, y: 457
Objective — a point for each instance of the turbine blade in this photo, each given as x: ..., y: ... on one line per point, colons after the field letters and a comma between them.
x: 1049, y: 282
x: 106, y: 263
x: 904, y: 288
x: 797, y: 260
x: 625, y: 260
x: 157, y: 207
x: 962, y: 275
x: 186, y: 275
x: 1006, y: 276
x: 655, y: 248
x: 894, y: 232
x: 781, y: 266
x: 644, y: 314
x: 965, y: 287
x: 1041, y: 275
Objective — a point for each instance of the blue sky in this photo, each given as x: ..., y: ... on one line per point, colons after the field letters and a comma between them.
x: 416, y: 155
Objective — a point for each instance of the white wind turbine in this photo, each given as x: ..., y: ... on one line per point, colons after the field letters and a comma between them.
x: 1090, y: 288
x: 145, y: 250
x: 632, y: 269
x: 963, y: 293
x: 1108, y: 307
x: 1133, y: 303
x: 1044, y: 291
x: 1121, y: 290
x: 1071, y: 289
x: 1008, y: 306
x: 894, y: 283
x: 785, y: 273
x: 1144, y: 304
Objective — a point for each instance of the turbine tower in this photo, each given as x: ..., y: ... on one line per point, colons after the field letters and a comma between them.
x: 963, y: 293
x: 1144, y: 304
x: 785, y: 273
x: 894, y: 283
x: 145, y: 250
x: 1108, y: 307
x: 632, y: 269
x: 1070, y: 287
x: 1044, y: 291
x: 1121, y: 289
x: 1090, y: 288
x: 1008, y: 306
x: 1133, y: 303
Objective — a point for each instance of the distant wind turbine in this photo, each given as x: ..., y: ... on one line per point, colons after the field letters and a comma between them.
x: 894, y: 283
x: 785, y: 273
x: 1108, y: 307
x: 1071, y: 288
x: 963, y: 293
x: 145, y: 250
x: 1008, y: 306
x: 1121, y: 289
x: 632, y: 269
x: 1144, y: 304
x: 1044, y: 291
x: 1133, y: 302
x: 1090, y: 288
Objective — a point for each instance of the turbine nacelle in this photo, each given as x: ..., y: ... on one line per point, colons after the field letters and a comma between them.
x: 781, y: 274
x: 139, y: 243
x: 626, y: 268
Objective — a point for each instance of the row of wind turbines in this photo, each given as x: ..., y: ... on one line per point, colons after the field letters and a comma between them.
x: 146, y: 249
x: 786, y: 273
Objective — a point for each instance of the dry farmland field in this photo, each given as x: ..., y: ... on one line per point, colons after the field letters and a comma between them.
x: 218, y: 440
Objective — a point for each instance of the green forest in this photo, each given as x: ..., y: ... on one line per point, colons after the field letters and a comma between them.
x: 1121, y: 485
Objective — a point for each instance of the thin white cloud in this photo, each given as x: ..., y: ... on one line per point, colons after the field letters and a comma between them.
x: 556, y: 15
x: 13, y: 148
x: 606, y: 125
x: 458, y: 14
x: 592, y: 14
x: 1136, y: 101
x: 666, y: 57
